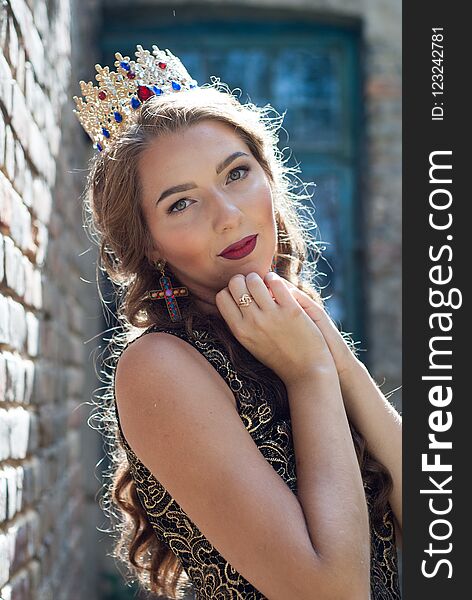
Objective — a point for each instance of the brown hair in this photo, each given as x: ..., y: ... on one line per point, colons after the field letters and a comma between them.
x: 115, y: 220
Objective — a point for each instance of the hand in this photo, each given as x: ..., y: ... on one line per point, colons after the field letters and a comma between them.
x: 343, y: 356
x: 274, y: 328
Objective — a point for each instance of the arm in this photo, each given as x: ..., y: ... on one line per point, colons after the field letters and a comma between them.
x: 330, y: 487
x: 196, y: 445
x: 378, y: 421
x: 368, y: 409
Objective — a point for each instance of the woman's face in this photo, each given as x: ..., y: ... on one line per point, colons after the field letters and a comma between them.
x: 227, y: 197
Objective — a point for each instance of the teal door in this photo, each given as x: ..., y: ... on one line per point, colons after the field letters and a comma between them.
x: 306, y: 68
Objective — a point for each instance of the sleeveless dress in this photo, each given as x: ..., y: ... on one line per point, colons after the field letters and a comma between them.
x: 212, y: 577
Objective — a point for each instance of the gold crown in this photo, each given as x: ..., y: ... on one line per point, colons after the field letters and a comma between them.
x: 106, y: 108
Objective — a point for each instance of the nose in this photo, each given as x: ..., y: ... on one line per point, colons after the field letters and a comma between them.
x: 226, y: 211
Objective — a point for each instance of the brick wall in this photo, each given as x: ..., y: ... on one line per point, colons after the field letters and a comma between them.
x: 44, y: 310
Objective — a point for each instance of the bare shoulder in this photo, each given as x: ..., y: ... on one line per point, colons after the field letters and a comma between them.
x: 161, y: 358
x: 177, y: 416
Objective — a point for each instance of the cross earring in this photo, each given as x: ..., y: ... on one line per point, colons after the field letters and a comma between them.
x: 168, y: 293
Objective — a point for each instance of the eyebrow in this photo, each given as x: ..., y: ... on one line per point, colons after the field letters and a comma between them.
x: 183, y: 187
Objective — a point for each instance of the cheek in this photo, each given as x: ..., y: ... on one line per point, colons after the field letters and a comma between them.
x: 182, y: 243
x: 265, y: 204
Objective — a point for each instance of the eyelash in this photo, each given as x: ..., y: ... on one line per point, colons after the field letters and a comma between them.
x: 245, y: 168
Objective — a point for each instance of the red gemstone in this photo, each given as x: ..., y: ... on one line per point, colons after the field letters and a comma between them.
x: 144, y: 93
x: 130, y: 75
x: 102, y: 95
x: 162, y: 65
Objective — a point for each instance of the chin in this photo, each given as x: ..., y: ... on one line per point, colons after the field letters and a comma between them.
x: 255, y: 267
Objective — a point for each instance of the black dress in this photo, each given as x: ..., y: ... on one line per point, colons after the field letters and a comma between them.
x: 211, y: 575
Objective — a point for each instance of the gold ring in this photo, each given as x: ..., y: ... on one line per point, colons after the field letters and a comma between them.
x: 245, y: 300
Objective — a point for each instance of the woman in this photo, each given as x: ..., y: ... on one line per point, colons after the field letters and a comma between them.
x: 255, y: 456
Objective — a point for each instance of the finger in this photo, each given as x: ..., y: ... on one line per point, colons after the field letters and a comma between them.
x: 237, y: 287
x: 227, y: 307
x: 312, y: 308
x: 307, y: 302
x: 282, y: 294
x: 319, y: 315
x: 302, y: 299
x: 260, y: 291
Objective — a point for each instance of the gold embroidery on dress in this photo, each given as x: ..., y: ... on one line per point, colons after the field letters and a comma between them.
x: 211, y: 575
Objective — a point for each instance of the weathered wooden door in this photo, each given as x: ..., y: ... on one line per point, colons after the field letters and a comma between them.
x: 309, y: 69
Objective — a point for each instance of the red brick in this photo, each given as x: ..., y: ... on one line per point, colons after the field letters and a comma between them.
x: 4, y: 434
x: 3, y: 496
x: 12, y: 47
x: 17, y: 318
x: 5, y: 201
x: 20, y: 421
x: 6, y: 80
x: 15, y: 377
x: 30, y: 36
x: 2, y: 140
x: 2, y: 258
x: 4, y: 318
x: 9, y: 153
x: 29, y: 366
x: 3, y: 377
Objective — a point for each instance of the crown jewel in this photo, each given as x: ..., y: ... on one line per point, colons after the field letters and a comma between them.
x: 106, y: 108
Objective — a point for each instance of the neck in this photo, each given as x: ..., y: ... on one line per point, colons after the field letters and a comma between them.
x: 206, y: 306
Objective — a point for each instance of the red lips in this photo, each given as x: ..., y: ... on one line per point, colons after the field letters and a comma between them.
x: 237, y: 245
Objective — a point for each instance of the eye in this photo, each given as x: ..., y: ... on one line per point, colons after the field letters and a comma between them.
x: 170, y: 209
x: 244, y: 168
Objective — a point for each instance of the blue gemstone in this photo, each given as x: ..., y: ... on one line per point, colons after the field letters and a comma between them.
x: 99, y: 147
x: 176, y: 85
x: 118, y: 117
x: 157, y: 90
x: 135, y: 103
x: 105, y: 132
x: 126, y: 66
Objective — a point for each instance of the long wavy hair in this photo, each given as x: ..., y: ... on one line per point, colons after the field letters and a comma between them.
x: 114, y: 219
